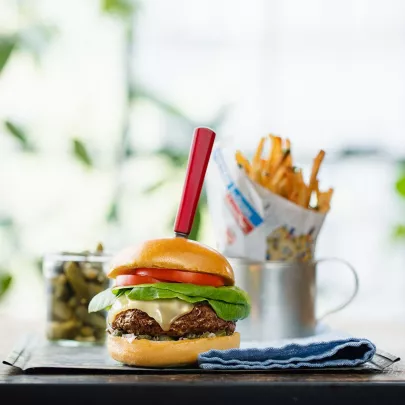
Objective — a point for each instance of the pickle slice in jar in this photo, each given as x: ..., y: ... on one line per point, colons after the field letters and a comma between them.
x: 76, y: 280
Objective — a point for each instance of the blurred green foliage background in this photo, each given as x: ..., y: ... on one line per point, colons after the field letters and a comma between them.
x: 32, y: 38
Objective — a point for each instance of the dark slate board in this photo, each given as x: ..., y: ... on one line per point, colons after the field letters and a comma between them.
x: 32, y: 355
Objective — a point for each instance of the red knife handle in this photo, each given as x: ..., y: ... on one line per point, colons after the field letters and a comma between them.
x: 198, y: 159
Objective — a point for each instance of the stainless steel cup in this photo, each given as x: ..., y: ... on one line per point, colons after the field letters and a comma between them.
x: 283, y: 296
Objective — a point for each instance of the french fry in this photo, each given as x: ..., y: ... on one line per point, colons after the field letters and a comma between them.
x: 329, y: 198
x: 324, y: 200
x: 314, y: 173
x: 266, y: 163
x: 243, y: 162
x: 283, y: 187
x: 293, y: 183
x: 258, y: 155
x: 286, y: 184
x: 303, y: 196
x: 316, y: 165
x: 293, y: 197
x: 274, y: 154
x: 278, y: 176
x: 279, y: 171
x: 283, y: 160
x: 296, y: 181
x: 302, y: 190
x: 300, y: 177
x: 256, y: 174
x: 287, y: 147
x: 290, y: 185
x: 263, y: 174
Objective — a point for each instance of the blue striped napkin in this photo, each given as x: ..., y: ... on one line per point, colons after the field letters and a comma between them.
x: 320, y: 351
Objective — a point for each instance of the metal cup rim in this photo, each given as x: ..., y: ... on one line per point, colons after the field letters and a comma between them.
x: 249, y: 262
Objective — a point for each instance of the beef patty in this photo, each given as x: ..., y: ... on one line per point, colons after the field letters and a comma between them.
x: 200, y: 320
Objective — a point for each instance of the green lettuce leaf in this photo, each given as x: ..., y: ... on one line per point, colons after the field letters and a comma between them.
x: 102, y: 300
x: 229, y: 303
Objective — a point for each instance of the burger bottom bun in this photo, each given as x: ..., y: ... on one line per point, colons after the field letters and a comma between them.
x: 146, y: 353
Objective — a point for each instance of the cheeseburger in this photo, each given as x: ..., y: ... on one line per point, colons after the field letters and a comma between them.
x: 171, y: 300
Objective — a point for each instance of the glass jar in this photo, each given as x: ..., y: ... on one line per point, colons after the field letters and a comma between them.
x: 72, y: 280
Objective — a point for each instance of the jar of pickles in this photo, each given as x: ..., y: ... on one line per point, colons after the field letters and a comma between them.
x: 72, y: 280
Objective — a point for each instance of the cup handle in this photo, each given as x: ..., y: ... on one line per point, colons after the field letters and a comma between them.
x: 356, y: 284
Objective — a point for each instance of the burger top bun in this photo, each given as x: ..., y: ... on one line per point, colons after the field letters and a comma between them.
x: 172, y: 253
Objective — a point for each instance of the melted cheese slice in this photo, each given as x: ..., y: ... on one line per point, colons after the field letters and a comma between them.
x: 164, y: 312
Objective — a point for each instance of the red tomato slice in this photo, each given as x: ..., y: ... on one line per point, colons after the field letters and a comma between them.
x: 180, y: 276
x: 133, y: 279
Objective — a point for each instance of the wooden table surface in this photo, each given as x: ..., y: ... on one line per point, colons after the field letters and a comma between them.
x: 277, y: 388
